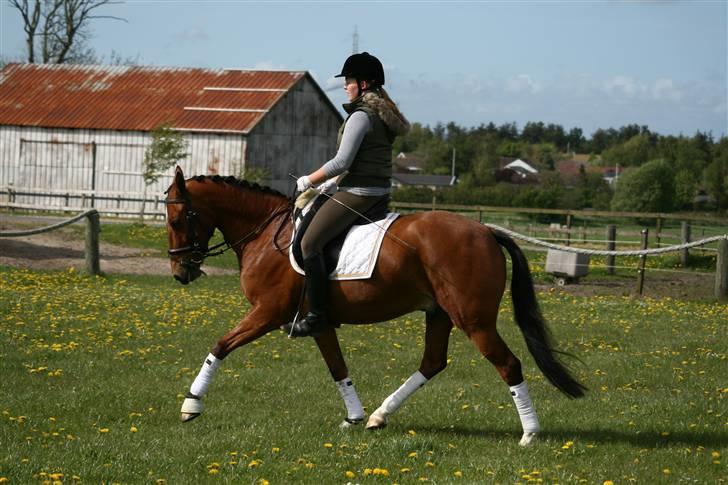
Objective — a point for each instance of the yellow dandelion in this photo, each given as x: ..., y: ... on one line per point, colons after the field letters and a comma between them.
x: 608, y: 482
x: 412, y: 454
x: 715, y: 454
x: 381, y: 471
x: 56, y: 476
x: 275, y: 449
x: 254, y: 463
x: 4, y: 479
x: 367, y: 472
x: 349, y: 474
x: 328, y: 445
x: 103, y: 430
x: 405, y: 470
x: 458, y: 474
x: 666, y: 471
x: 213, y: 471
x: 412, y: 432
x: 429, y: 463
x: 133, y: 429
x: 263, y: 481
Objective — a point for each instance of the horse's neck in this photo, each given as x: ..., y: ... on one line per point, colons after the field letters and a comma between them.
x: 245, y: 212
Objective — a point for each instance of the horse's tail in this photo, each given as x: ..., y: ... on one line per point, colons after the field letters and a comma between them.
x: 532, y: 324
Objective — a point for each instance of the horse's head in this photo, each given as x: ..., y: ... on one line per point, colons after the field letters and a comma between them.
x: 188, y: 230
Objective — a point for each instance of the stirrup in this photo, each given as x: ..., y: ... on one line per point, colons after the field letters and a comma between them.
x: 303, y: 327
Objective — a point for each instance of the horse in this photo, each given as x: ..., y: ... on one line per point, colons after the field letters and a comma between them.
x: 417, y: 269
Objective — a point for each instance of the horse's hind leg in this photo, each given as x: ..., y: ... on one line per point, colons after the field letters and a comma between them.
x: 434, y: 360
x: 492, y: 346
x: 328, y: 344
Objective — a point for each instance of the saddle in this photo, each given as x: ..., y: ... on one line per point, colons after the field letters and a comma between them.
x: 333, y: 248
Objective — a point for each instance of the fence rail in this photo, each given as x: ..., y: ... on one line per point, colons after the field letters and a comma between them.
x: 93, y: 228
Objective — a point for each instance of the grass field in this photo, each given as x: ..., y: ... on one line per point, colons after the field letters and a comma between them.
x: 93, y: 372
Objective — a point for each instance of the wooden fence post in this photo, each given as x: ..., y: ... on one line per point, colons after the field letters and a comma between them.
x: 658, y: 231
x: 685, y: 238
x: 721, y: 271
x: 641, y: 265
x: 611, y: 245
x: 568, y: 229
x: 93, y: 228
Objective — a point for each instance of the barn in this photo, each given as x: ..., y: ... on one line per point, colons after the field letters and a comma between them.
x: 75, y: 136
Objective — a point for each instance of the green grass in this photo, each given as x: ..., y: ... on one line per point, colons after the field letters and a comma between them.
x: 83, y: 360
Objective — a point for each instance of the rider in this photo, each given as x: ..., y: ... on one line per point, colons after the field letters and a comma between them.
x: 365, y: 151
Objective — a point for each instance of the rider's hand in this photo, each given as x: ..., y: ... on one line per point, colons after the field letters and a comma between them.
x: 303, y: 183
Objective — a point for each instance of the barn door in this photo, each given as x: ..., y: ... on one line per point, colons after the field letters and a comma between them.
x: 56, y: 169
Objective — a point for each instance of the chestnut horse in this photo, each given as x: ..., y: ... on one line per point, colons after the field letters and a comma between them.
x: 448, y: 266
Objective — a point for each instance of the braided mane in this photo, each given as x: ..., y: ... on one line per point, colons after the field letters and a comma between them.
x: 239, y: 183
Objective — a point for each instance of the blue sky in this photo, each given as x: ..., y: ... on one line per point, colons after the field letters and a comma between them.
x: 586, y: 64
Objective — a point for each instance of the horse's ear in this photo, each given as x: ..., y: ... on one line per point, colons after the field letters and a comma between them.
x: 179, y: 179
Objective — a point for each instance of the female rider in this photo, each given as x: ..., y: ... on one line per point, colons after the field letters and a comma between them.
x: 365, y: 153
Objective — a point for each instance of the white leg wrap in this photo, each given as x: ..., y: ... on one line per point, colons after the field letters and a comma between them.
x: 529, y: 420
x: 204, y: 378
x: 395, y: 400
x: 354, y: 409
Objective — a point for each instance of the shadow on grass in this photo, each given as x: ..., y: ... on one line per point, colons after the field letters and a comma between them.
x: 643, y: 439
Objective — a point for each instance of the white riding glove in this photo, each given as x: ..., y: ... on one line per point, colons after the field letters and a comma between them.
x: 303, y: 183
x: 328, y: 187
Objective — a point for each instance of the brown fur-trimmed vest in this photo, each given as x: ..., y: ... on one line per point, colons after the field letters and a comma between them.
x: 372, y: 165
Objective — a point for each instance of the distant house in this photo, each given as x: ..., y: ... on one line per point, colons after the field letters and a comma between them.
x: 417, y: 180
x: 408, y: 163
x: 516, y: 171
x: 407, y: 171
x: 84, y: 130
x: 571, y: 169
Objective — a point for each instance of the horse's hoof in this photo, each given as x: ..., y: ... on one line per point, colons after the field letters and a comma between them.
x: 191, y: 408
x: 376, y: 421
x: 350, y: 423
x: 527, y: 439
x: 185, y: 417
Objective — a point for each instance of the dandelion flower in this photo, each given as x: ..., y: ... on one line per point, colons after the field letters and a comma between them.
x: 458, y: 474
x: 328, y: 445
x: 133, y: 429
x: 103, y: 430
x: 349, y: 474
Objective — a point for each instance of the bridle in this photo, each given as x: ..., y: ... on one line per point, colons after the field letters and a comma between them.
x: 198, y: 251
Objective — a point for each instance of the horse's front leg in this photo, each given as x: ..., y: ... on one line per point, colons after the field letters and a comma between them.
x: 328, y: 344
x: 256, y: 324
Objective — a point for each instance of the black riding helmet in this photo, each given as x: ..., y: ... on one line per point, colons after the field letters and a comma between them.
x: 363, y: 67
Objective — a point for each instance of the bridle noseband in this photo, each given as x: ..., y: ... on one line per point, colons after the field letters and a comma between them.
x: 199, y: 252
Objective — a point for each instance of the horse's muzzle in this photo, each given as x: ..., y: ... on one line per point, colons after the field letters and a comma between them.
x: 186, y: 274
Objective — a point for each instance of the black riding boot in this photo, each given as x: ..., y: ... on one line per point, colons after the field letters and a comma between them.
x: 317, y: 287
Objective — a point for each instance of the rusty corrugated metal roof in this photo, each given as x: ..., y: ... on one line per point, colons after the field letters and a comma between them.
x: 139, y: 98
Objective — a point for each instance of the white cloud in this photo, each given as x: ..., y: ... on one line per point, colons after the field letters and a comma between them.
x: 269, y: 65
x: 664, y: 89
x: 622, y: 85
x: 522, y: 83
x: 191, y: 35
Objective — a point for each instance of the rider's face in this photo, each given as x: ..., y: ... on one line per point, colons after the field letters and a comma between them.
x: 351, y: 88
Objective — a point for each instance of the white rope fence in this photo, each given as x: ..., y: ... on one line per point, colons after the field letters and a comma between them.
x: 53, y: 227
x: 604, y: 252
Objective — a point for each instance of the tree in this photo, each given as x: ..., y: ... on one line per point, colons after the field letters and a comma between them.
x: 649, y: 188
x: 167, y: 149
x: 716, y: 175
x: 58, y: 31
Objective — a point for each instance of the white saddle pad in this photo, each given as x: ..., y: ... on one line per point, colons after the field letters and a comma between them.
x: 360, y: 250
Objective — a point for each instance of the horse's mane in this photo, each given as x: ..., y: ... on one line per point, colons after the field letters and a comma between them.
x: 239, y: 183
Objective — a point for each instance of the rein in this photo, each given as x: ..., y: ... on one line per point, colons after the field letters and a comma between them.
x: 201, y: 252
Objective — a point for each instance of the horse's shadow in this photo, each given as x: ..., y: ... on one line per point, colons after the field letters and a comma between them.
x: 644, y: 439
